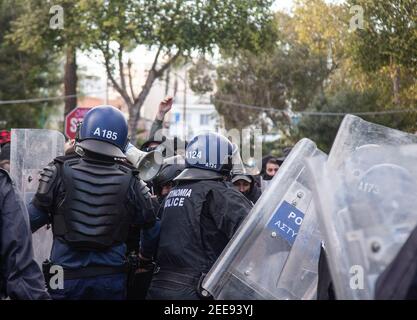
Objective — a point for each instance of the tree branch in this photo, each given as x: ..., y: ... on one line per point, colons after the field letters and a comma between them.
x: 152, y: 76
x: 161, y: 71
x: 129, y: 72
x: 108, y: 66
x: 155, y: 61
x: 121, y: 67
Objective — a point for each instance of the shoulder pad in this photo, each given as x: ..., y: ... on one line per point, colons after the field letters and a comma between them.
x: 48, y: 176
x: 62, y: 159
x: 5, y: 173
x: 132, y: 168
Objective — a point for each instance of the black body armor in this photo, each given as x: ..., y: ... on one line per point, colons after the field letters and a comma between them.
x: 94, y: 214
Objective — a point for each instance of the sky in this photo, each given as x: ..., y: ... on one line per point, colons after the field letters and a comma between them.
x: 286, y: 5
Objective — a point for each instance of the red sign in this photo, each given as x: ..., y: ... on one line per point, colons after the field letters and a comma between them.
x: 71, y: 120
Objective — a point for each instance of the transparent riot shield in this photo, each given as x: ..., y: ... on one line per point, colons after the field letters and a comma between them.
x: 277, y: 244
x: 31, y: 151
x: 365, y: 196
x: 355, y: 132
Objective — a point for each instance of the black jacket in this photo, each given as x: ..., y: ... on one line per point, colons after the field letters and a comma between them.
x: 254, y: 193
x: 199, y: 218
x: 399, y: 280
x: 20, y: 274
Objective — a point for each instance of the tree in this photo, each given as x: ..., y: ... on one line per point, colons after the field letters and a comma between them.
x: 350, y: 90
x: 24, y: 75
x: 39, y: 28
x: 287, y: 77
x: 314, y: 62
x: 388, y: 40
x: 171, y: 29
x: 201, y: 76
x: 322, y: 129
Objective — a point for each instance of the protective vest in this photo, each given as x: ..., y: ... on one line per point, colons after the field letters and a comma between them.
x: 94, y: 214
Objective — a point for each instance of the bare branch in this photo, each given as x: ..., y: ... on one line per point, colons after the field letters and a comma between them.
x: 155, y: 61
x: 146, y: 87
x: 121, y: 69
x: 129, y: 71
x: 116, y: 85
x: 161, y: 71
x: 152, y: 76
x: 138, y: 101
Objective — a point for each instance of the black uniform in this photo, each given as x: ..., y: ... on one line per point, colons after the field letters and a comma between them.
x: 325, y: 289
x: 199, y: 219
x: 20, y: 276
x: 399, y: 279
x: 254, y: 193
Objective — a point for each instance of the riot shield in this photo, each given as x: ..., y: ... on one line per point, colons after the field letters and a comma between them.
x: 275, y: 251
x: 31, y: 151
x: 355, y: 132
x: 365, y: 197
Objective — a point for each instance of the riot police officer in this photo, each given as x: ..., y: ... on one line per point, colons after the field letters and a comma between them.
x: 200, y: 216
x: 20, y: 276
x: 162, y: 185
x: 91, y: 198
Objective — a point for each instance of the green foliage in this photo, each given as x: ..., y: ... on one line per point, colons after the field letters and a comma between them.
x: 177, y: 25
x: 389, y: 35
x: 32, y: 31
x: 323, y: 129
x: 288, y: 76
x: 201, y: 79
x: 318, y: 65
x: 24, y: 75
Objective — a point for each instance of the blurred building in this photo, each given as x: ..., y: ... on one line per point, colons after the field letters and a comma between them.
x: 89, y: 102
x: 200, y: 113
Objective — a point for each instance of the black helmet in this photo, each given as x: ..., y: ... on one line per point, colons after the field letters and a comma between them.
x: 171, y: 168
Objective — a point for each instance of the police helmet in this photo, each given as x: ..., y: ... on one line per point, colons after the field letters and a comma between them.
x: 171, y: 168
x: 103, y: 131
x: 207, y: 156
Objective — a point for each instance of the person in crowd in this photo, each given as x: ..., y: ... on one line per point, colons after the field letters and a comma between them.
x: 20, y: 275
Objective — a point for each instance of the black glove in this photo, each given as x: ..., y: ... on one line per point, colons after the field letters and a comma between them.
x: 145, y: 265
